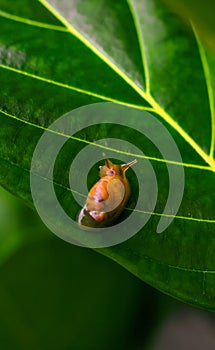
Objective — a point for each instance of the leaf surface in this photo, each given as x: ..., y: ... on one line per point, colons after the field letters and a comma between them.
x: 56, y: 56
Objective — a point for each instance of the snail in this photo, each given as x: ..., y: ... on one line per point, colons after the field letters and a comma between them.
x: 108, y: 197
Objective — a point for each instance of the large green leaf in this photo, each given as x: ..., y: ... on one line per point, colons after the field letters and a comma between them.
x: 57, y: 56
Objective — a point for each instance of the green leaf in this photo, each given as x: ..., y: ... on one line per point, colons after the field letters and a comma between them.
x: 56, y: 57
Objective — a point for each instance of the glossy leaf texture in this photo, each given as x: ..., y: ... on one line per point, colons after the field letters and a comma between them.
x: 56, y: 56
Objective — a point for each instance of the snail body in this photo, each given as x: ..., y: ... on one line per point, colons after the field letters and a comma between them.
x: 108, y: 197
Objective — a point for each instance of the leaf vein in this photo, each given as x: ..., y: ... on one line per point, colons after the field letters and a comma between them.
x: 161, y: 263
x: 32, y: 22
x: 104, y: 57
x: 209, y: 86
x: 209, y: 221
x: 70, y: 87
x: 145, y: 95
x: 194, y: 166
x: 141, y: 44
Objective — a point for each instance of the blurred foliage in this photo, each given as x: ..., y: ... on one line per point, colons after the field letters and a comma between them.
x: 18, y: 225
x: 57, y: 296
x: 201, y: 13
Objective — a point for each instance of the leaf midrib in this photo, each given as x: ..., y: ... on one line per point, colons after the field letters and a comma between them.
x: 150, y: 99
x: 161, y: 111
x: 145, y: 95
